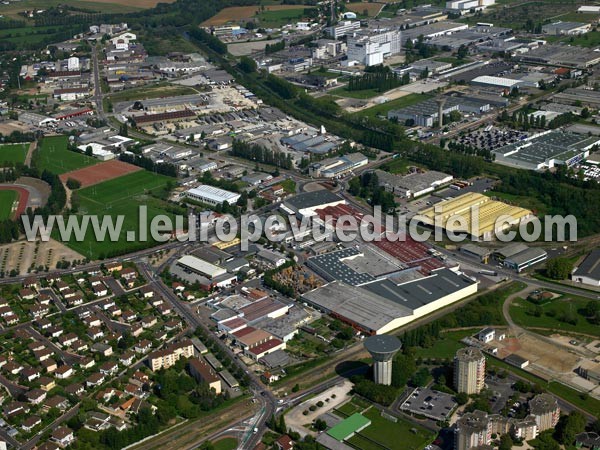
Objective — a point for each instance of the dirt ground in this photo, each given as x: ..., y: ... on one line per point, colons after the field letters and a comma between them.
x: 296, y: 420
x: 11, y: 125
x: 98, y: 173
x: 24, y: 255
x: 236, y: 13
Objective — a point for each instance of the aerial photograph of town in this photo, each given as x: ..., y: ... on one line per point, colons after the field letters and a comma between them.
x: 300, y: 224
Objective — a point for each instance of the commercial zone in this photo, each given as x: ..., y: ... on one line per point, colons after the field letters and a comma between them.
x: 474, y: 214
x: 546, y: 150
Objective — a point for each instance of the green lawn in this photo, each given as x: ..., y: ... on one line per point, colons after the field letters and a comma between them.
x: 278, y: 18
x: 402, y: 102
x: 389, y: 434
x: 523, y: 201
x: 288, y: 185
x: 7, y: 198
x: 398, y: 165
x: 122, y: 197
x: 520, y: 311
x: 446, y: 346
x: 226, y: 444
x: 355, y: 405
x: 53, y: 155
x: 11, y: 154
x: 591, y: 39
x: 344, y: 92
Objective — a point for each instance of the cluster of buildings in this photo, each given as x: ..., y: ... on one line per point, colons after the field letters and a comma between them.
x: 414, y: 184
x: 474, y: 430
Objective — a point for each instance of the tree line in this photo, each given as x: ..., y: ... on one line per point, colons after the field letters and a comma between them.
x: 261, y: 154
x: 162, y: 168
x: 381, y: 80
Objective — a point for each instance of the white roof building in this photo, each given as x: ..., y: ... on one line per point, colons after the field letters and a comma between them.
x: 212, y: 195
x: 496, y: 81
x: 200, y: 266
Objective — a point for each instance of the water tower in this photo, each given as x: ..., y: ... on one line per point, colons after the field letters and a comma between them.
x: 382, y: 348
x: 441, y: 102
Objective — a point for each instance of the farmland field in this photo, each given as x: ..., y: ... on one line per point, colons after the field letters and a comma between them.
x: 122, y: 197
x: 359, y: 8
x: 237, y: 13
x: 7, y: 198
x: 277, y: 18
x: 105, y: 6
x: 13, y: 153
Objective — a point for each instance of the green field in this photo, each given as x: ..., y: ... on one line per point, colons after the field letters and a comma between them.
x: 521, y: 312
x: 11, y: 154
x: 402, y: 102
x: 156, y: 91
x: 446, y: 346
x: 365, y: 93
x: 225, y: 444
x: 122, y: 197
x: 7, y: 198
x: 278, y: 18
x: 14, y: 8
x: 387, y: 434
x: 523, y: 201
x: 355, y: 405
x: 591, y: 39
x: 53, y: 155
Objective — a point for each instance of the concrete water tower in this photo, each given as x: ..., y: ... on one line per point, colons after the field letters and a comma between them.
x: 441, y: 102
x: 382, y: 348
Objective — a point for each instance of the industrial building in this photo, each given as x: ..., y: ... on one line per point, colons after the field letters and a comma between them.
x: 370, y: 48
x: 588, y: 272
x: 474, y: 214
x: 382, y: 305
x: 427, y: 112
x: 469, y: 371
x: 462, y: 5
x: 560, y: 56
x: 319, y: 144
x: 519, y: 256
x: 212, y: 195
x: 306, y: 204
x: 200, y: 267
x: 337, y: 167
x: 546, y: 150
x: 566, y: 28
x: 578, y: 96
x: 432, y: 30
x: 174, y: 116
x: 414, y: 184
x: 343, y: 28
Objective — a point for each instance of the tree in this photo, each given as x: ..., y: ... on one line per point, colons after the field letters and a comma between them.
x: 559, y: 268
x: 320, y: 425
x: 461, y: 398
x: 506, y: 442
x: 89, y: 151
x: 462, y: 52
x: 569, y: 426
x: 247, y: 64
x: 73, y: 184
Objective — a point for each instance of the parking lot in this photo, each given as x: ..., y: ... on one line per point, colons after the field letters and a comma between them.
x: 491, y: 138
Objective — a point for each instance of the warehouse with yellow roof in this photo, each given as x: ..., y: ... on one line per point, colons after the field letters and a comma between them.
x: 474, y: 214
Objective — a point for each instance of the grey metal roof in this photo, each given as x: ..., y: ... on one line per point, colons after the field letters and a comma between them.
x: 331, y: 267
x: 383, y: 344
x: 313, y: 199
x: 590, y: 267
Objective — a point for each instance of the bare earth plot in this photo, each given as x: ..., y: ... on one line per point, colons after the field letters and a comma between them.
x: 237, y: 13
x: 21, y: 256
x: 98, y: 173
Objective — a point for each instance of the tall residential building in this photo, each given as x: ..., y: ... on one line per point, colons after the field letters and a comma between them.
x: 469, y: 370
x: 472, y: 430
x: 546, y: 411
x: 163, y: 359
x: 370, y: 48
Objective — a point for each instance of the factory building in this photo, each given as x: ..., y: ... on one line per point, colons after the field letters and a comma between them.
x: 588, y: 271
x: 566, y: 28
x: 463, y: 5
x: 426, y: 113
x: 370, y: 48
x: 469, y: 371
x: 337, y: 167
x: 212, y: 195
x: 306, y: 204
x: 519, y: 257
x: 547, y: 150
x: 378, y: 306
x: 474, y: 214
x: 414, y: 184
x: 200, y: 267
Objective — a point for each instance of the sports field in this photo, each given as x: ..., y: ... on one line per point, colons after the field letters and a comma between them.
x: 53, y: 155
x: 11, y: 154
x: 7, y: 199
x: 122, y: 197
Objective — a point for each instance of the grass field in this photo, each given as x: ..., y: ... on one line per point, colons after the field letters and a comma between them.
x: 389, y: 434
x: 278, y: 18
x: 523, y: 201
x: 106, y: 6
x: 7, y: 198
x: 355, y: 405
x: 446, y: 346
x: 343, y: 92
x: 372, y: 9
x: 225, y: 444
x: 157, y: 91
x: 53, y: 155
x: 122, y: 197
x: 591, y: 39
x: 520, y: 311
x: 402, y: 102
x: 11, y: 154
x: 237, y: 13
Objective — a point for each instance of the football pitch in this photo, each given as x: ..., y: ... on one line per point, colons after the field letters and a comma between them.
x: 11, y: 154
x: 54, y: 156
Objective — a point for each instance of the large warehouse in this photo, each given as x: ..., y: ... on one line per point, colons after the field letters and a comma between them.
x: 212, y: 195
x: 480, y: 215
x: 382, y: 305
x: 306, y: 204
x: 546, y: 150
